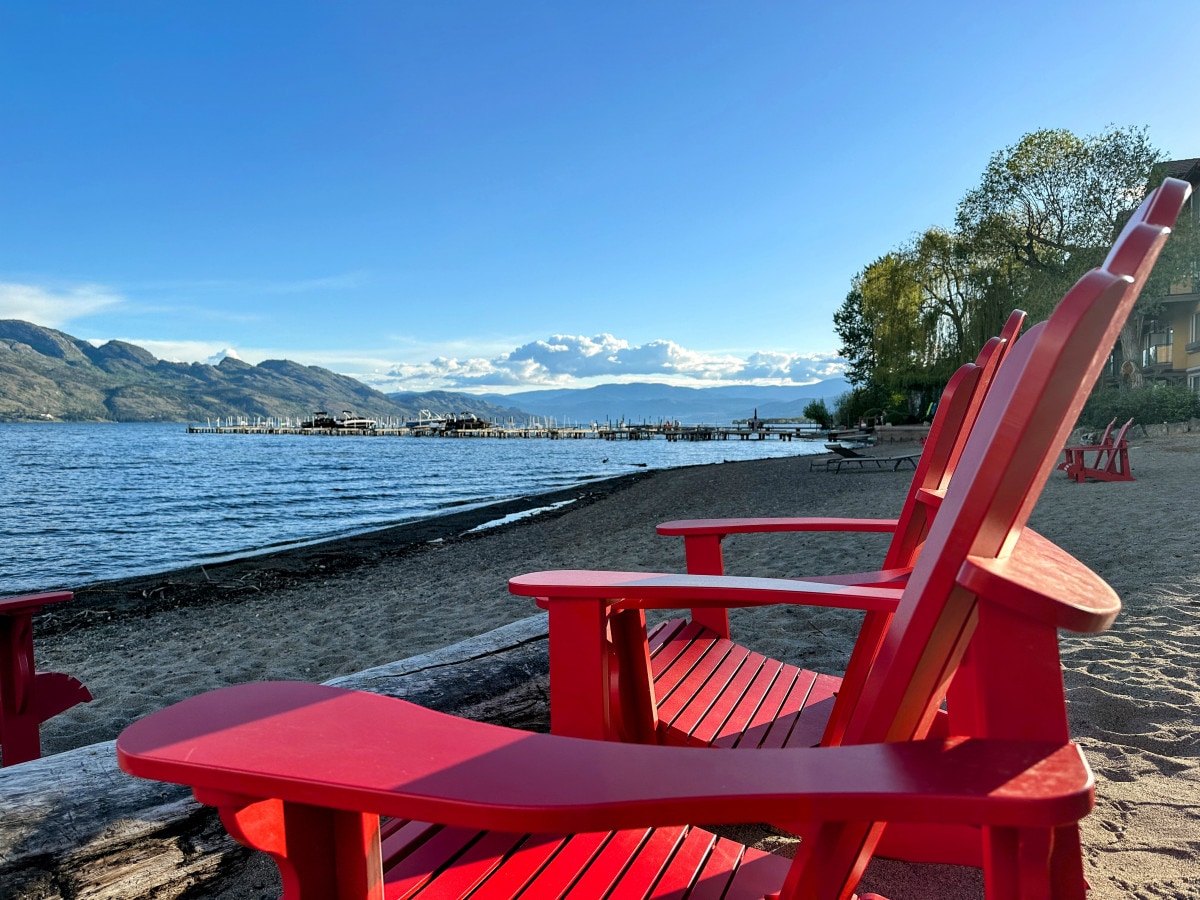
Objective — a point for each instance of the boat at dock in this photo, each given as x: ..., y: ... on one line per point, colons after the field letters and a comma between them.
x: 349, y: 421
x: 466, y: 421
x: 426, y: 422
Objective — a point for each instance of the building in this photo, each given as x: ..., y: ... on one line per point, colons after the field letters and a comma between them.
x: 1171, y: 343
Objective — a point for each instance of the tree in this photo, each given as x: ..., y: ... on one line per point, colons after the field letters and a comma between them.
x: 857, y: 345
x: 1049, y: 206
x: 904, y: 331
x: 886, y: 336
x: 1046, y: 210
x: 817, y: 411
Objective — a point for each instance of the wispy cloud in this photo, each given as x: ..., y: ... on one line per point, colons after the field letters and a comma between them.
x: 54, y: 308
x: 342, y: 281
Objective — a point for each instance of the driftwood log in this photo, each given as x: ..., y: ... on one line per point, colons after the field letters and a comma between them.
x: 73, y: 826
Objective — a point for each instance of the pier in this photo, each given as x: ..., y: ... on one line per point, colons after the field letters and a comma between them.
x: 621, y: 431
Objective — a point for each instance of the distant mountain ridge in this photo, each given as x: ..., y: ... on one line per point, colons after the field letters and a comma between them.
x: 49, y: 375
x: 647, y: 402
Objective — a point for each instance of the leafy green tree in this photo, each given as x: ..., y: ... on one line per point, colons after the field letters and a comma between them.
x: 891, y: 307
x: 1046, y: 210
x: 818, y: 412
x: 858, y: 347
x: 1053, y: 196
x: 1049, y: 206
x: 888, y: 335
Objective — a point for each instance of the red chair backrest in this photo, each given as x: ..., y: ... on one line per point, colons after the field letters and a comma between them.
x: 956, y: 413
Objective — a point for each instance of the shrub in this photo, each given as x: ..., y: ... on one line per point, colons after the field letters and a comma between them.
x: 852, y: 407
x: 1150, y: 403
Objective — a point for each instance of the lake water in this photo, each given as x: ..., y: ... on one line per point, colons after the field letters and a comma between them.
x: 93, y: 502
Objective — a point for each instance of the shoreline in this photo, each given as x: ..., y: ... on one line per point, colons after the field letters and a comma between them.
x: 252, y: 571
x: 335, y: 608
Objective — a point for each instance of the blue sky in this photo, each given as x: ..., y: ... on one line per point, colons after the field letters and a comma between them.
x: 503, y: 195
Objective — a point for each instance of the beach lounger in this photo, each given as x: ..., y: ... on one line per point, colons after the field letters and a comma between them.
x: 28, y: 697
x: 1111, y: 458
x: 305, y: 772
x: 879, y: 463
x: 839, y: 452
x: 850, y: 458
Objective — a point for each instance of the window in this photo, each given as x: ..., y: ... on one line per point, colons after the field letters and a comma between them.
x: 1157, y: 345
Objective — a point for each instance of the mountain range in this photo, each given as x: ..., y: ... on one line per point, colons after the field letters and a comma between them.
x: 49, y: 375
x: 653, y: 402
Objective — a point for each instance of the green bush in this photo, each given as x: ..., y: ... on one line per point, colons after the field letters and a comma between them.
x: 855, y: 405
x: 1150, y: 403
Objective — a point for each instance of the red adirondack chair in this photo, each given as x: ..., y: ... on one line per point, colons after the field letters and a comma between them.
x: 27, y: 697
x: 1073, y: 458
x: 1111, y: 458
x: 304, y: 772
x: 694, y: 663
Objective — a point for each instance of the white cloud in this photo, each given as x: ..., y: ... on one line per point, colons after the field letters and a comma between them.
x: 558, y: 361
x: 176, y: 351
x: 789, y: 367
x: 53, y: 309
x: 227, y: 353
x: 579, y: 361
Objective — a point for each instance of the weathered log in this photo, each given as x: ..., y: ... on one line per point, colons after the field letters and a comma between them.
x: 73, y: 826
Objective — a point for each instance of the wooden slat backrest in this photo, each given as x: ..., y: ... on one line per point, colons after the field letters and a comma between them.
x: 957, y: 411
x: 1120, y: 438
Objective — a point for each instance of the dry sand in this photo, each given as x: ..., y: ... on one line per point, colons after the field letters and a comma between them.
x: 344, y: 606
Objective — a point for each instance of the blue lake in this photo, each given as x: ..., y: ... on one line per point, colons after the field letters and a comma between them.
x: 93, y: 502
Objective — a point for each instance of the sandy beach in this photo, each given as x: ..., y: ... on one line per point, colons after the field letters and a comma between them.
x: 341, y: 607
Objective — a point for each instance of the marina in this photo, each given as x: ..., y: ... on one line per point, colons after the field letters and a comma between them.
x: 466, y: 425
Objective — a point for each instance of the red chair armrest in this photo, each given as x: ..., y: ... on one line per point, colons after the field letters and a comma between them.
x: 1045, y: 584
x: 348, y: 750
x: 649, y: 590
x: 31, y: 603
x: 685, y: 527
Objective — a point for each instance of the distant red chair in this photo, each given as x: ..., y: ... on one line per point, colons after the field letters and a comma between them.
x: 304, y: 772
x: 1111, y: 458
x: 27, y: 697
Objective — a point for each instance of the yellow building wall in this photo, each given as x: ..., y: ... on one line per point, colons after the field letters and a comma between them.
x: 1180, y: 318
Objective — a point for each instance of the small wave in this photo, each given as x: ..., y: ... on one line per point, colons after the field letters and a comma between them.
x: 513, y: 517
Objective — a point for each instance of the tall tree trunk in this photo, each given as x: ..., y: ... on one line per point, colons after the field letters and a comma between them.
x: 1129, y: 375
